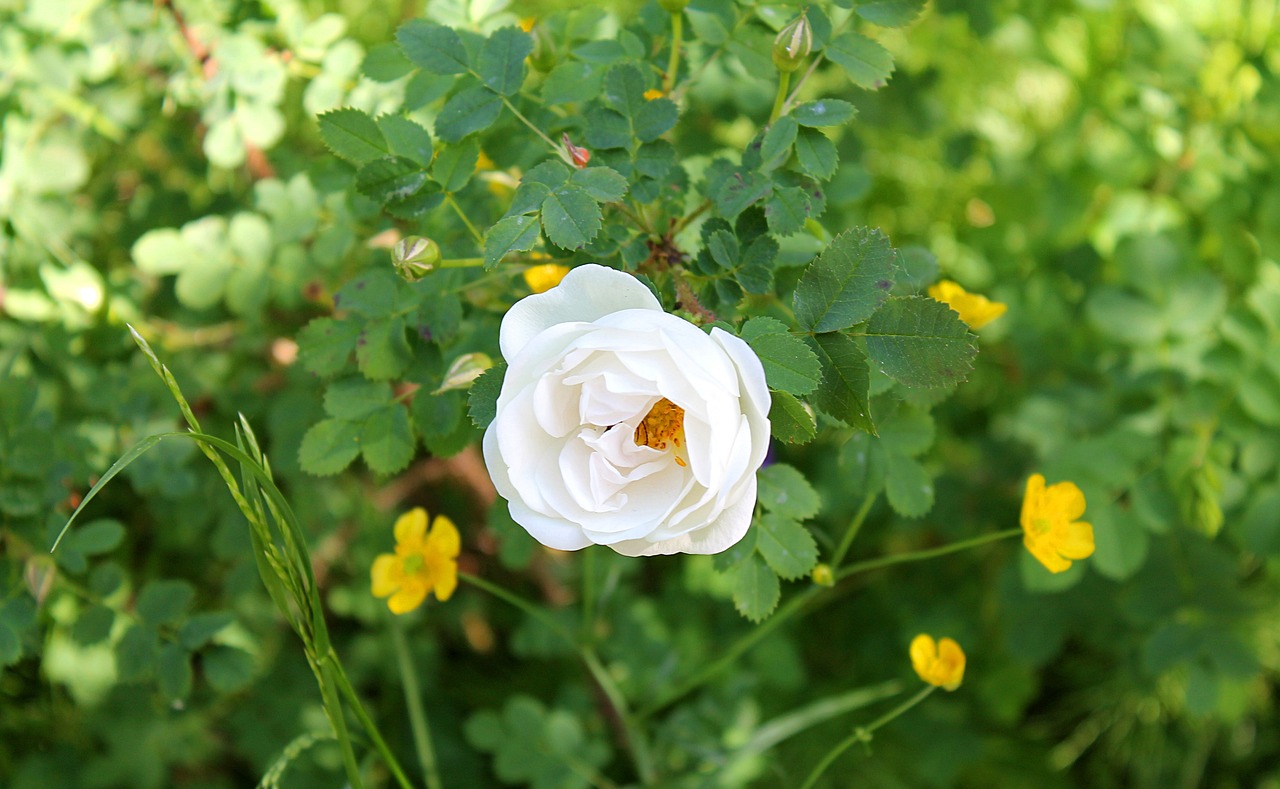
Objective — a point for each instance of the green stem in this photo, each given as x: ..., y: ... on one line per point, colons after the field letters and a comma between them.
x: 636, y: 742
x: 916, y: 556
x: 519, y: 602
x: 673, y: 63
x: 370, y: 728
x: 417, y: 715
x: 559, y: 149
x: 457, y: 209
x: 854, y: 526
x: 784, y: 81
x: 863, y: 734
x: 588, y: 596
x: 333, y: 709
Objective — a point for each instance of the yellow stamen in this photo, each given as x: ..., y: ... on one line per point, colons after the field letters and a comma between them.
x: 665, y: 423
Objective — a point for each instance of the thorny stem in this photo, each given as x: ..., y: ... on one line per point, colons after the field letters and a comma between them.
x: 863, y: 734
x: 673, y: 63
x: 413, y: 699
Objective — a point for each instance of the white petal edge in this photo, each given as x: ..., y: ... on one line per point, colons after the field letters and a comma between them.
x: 715, y: 537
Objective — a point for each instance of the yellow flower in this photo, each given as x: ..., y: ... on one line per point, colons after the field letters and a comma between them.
x: 483, y: 162
x: 1049, y: 526
x: 975, y: 310
x: 940, y: 663
x: 545, y: 277
x: 423, y: 562
x: 653, y: 93
x: 527, y: 23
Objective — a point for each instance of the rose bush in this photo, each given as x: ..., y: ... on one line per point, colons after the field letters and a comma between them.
x: 619, y: 424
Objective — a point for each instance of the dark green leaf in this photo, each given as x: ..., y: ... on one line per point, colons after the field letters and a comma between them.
x: 407, y: 138
x: 824, y: 112
x: 917, y: 341
x: 468, y: 112
x: 789, y: 364
x: 164, y: 602
x: 738, y: 189
x: 512, y: 234
x: 197, y: 630
x: 787, y: 210
x: 571, y: 82
x: 604, y: 184
x: 789, y: 421
x: 173, y: 672
x: 908, y: 486
x: 387, y: 439
x: 775, y: 148
x: 787, y: 546
x: 435, y: 48
x: 624, y: 89
x: 96, y: 537
x: 570, y: 217
x: 1121, y: 544
x: 392, y: 178
x: 755, y: 589
x: 355, y: 397
x: 784, y: 490
x: 325, y: 344
x: 607, y: 129
x: 501, y: 61
x: 847, y: 282
x: 906, y: 431
x: 329, y: 447
x: 10, y: 646
x: 383, y: 351
x: 94, y: 625
x: 866, y: 62
x: 891, y: 13
x: 654, y: 118
x: 816, y: 154
x: 385, y: 63
x: 136, y: 653
x: 843, y: 393
x: 483, y: 398
x: 456, y: 164
x: 227, y: 669
x: 353, y: 135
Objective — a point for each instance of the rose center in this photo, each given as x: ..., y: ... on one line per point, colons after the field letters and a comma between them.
x: 664, y: 425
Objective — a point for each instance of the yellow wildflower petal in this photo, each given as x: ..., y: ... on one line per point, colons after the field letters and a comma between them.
x: 411, y: 527
x: 527, y: 23
x: 924, y: 651
x: 409, y: 597
x: 653, y: 93
x: 1064, y: 500
x: 387, y: 574
x: 1077, y: 541
x: 1031, y: 500
x: 974, y: 309
x: 544, y: 277
x: 446, y: 581
x: 443, y: 540
x: 1046, y: 555
x: 951, y: 662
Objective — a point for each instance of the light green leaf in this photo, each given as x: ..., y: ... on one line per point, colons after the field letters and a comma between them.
x: 329, y: 447
x: 353, y: 135
x: 787, y: 210
x: 435, y: 48
x: 387, y: 439
x: 164, y: 602
x: 843, y: 393
x: 604, y: 184
x: 96, y: 537
x: 456, y: 164
x: 468, y: 112
x: 391, y: 178
x: 407, y: 138
x: 891, y: 13
x: 355, y: 397
x: 908, y: 486
x: 784, y: 490
x: 816, y: 154
x: 654, y: 118
x: 824, y: 112
x: 866, y: 62
x: 501, y: 61
x: 570, y: 217
x: 570, y: 82
x: 94, y: 625
x: 789, y: 421
x: 227, y: 668
x: 325, y: 344
x: 775, y: 147
x: 383, y: 351
x: 906, y: 430
x: 917, y: 341
x: 789, y: 364
x: 162, y: 251
x: 1120, y: 543
x: 847, y: 282
x: 787, y: 546
x: 197, y: 630
x: 385, y: 63
x: 755, y: 589
x: 512, y: 234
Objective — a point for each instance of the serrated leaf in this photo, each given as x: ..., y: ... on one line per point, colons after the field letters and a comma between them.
x: 722, y: 245
x: 383, y: 350
x: 787, y: 546
x: 356, y: 397
x: 654, y: 118
x: 784, y: 490
x: 847, y: 282
x: 512, y: 234
x: 570, y: 217
x: 917, y: 341
x: 816, y: 154
x: 173, y: 672
x: 755, y: 589
x: 604, y: 184
x: 775, y: 147
x: 890, y: 13
x: 456, y: 164
x: 866, y: 62
x: 353, y: 135
x: 164, y: 602
x: 908, y: 486
x: 824, y: 112
x: 787, y: 210
x: 467, y: 112
x: 738, y: 189
x: 406, y: 138
x: 390, y: 178
x: 329, y: 447
x: 436, y: 48
x: 789, y: 421
x: 572, y: 81
x: 482, y: 401
x: 227, y: 668
x: 789, y: 364
x: 325, y: 344
x: 501, y: 61
x: 387, y: 440
x: 624, y: 89
x: 607, y: 129
x: 846, y: 379
x: 385, y: 63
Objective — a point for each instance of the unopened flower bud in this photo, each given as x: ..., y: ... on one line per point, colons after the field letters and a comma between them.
x: 580, y: 156
x: 464, y: 370
x: 793, y: 44
x: 415, y: 257
x: 822, y: 575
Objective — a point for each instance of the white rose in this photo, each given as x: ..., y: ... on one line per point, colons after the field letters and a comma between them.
x: 622, y: 425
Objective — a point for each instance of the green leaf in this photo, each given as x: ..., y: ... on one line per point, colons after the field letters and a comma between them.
x: 355, y: 397
x: 164, y: 602
x: 816, y: 154
x: 784, y: 490
x: 512, y: 234
x: 1259, y: 527
x: 607, y: 129
x: 906, y: 431
x: 775, y: 147
x: 604, y: 184
x: 433, y: 47
x: 846, y: 378
x: 329, y: 447
x: 353, y: 135
x: 163, y: 251
x: 787, y: 210
x: 96, y: 537
x: 789, y: 421
x: 789, y: 364
x: 866, y: 62
x: 173, y: 672
x: 468, y: 112
x: 200, y: 628
x: 385, y: 63
x: 383, y: 351
x: 787, y: 546
x: 737, y: 189
x: 570, y: 82
x: 392, y: 178
x: 755, y: 269
x: 136, y: 653
x: 94, y: 625
x: 891, y: 13
x: 624, y: 89
x: 908, y: 486
x: 501, y: 61
x: 1121, y: 544
x: 847, y: 282
x: 917, y: 341
x: 227, y: 669
x: 407, y: 138
x: 755, y: 589
x: 654, y: 118
x: 824, y: 112
x: 456, y: 164
x: 387, y: 440
x: 325, y: 344
x: 570, y: 217
x: 10, y: 646
x: 483, y: 398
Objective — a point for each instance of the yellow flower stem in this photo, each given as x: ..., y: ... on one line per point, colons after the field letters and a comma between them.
x: 413, y: 699
x: 673, y: 63
x: 793, y: 606
x: 855, y: 526
x: 784, y: 82
x: 370, y: 728
x: 863, y: 734
x: 457, y: 209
